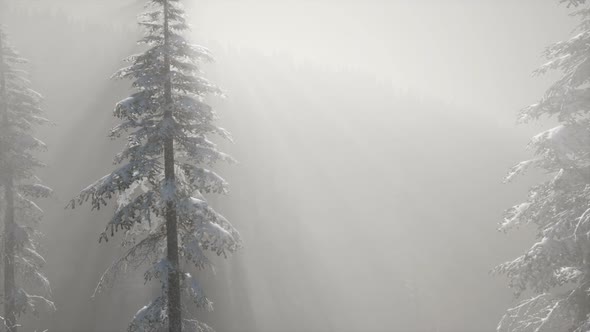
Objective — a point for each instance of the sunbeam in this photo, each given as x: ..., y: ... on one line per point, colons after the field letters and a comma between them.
x: 371, y: 140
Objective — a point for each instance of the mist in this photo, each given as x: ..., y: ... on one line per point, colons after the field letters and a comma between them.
x: 372, y: 140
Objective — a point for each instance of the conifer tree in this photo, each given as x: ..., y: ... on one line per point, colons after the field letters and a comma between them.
x: 556, y: 269
x: 19, y: 113
x: 163, y: 175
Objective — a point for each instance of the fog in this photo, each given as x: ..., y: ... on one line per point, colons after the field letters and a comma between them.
x: 372, y: 140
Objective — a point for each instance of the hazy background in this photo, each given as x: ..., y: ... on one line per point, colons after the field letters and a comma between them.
x: 372, y: 136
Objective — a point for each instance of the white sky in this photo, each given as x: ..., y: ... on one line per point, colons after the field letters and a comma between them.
x: 474, y: 53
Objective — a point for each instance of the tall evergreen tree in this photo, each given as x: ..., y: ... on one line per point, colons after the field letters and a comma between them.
x: 556, y: 269
x: 166, y: 220
x: 19, y: 113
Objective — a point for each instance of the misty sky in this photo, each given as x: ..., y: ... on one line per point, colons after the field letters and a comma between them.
x: 476, y: 54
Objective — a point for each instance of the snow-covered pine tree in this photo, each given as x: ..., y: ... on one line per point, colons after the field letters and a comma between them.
x: 19, y: 113
x: 556, y: 269
x: 166, y: 220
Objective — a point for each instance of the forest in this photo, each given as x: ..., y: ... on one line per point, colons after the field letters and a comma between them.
x: 269, y: 166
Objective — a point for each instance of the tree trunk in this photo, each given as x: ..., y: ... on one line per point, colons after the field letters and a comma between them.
x: 174, y: 305
x: 9, y: 225
x: 9, y: 282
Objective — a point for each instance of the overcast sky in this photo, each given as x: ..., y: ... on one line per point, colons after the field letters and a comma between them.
x: 464, y: 51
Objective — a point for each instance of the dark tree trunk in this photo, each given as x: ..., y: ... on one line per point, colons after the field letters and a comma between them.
x: 9, y: 225
x: 174, y: 305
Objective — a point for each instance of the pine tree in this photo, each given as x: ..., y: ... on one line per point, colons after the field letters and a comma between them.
x: 556, y: 269
x: 166, y: 220
x: 19, y: 113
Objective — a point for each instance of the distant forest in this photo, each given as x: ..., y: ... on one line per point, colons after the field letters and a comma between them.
x: 277, y: 109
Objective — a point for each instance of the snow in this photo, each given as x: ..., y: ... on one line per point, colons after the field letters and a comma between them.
x: 142, y: 192
x: 195, y: 292
x: 565, y: 141
x: 554, y: 270
x: 152, y: 317
x: 515, y: 216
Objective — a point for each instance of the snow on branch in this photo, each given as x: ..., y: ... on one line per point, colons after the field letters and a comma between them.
x: 195, y: 292
x: 541, y: 267
x: 145, y: 251
x: 192, y: 252
x: 151, y: 318
x: 193, y: 325
x: 573, y: 2
x: 26, y: 303
x: 35, y: 190
x: 542, y: 313
x: 137, y: 211
x: 564, y: 145
x: 116, y: 182
x: 206, y: 181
